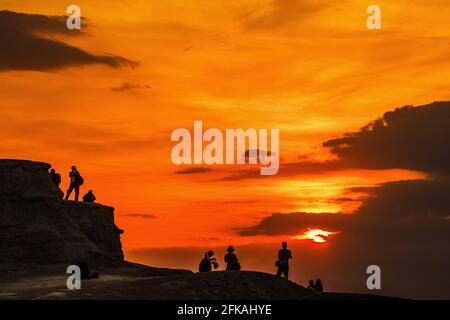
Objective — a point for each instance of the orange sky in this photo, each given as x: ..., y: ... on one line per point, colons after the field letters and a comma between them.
x: 313, y: 71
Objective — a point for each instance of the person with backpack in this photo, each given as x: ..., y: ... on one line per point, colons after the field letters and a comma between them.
x: 207, y: 262
x: 76, y: 180
x: 284, y: 254
x: 55, y: 177
x: 231, y: 259
x: 89, y: 197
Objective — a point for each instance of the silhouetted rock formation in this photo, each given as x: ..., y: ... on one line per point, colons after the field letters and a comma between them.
x: 37, y: 226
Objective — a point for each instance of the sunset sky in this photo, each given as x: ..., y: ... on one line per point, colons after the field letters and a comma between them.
x: 310, y: 68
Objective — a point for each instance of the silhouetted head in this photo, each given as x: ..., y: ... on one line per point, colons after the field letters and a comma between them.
x: 210, y: 253
x: 52, y: 171
x: 311, y: 283
x: 74, y: 168
x: 230, y: 249
x: 90, y: 191
x: 318, y: 282
x: 284, y: 245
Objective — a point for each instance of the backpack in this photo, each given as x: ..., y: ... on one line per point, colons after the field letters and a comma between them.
x: 79, y: 180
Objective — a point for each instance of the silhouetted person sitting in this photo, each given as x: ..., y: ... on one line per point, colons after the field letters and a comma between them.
x: 231, y: 260
x: 55, y: 177
x: 311, y: 285
x: 318, y: 285
x: 85, y: 273
x: 89, y: 197
x: 282, y: 263
x: 207, y: 262
x: 75, y: 182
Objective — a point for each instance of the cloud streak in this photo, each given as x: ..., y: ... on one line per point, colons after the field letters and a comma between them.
x: 194, y: 170
x: 127, y: 86
x: 141, y: 215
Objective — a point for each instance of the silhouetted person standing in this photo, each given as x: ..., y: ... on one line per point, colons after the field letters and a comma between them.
x: 75, y: 182
x: 318, y: 285
x: 282, y: 263
x: 89, y: 197
x: 55, y: 177
x: 231, y: 259
x: 207, y: 261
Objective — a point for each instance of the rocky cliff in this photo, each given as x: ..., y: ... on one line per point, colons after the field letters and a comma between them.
x: 38, y: 226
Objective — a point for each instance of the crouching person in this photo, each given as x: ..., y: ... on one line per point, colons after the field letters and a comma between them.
x: 89, y: 197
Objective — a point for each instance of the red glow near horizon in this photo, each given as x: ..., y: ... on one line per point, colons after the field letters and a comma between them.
x: 316, y: 235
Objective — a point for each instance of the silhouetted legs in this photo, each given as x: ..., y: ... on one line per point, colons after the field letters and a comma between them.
x: 77, y: 191
x: 283, y: 269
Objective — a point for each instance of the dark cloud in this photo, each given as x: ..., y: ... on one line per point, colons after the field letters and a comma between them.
x: 406, y: 201
x: 415, y: 138
x: 409, y: 199
x: 28, y: 43
x: 35, y: 23
x: 293, y: 223
x: 194, y: 170
x: 141, y: 215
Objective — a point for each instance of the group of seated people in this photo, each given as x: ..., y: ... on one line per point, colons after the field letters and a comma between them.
x: 209, y: 262
x: 315, y: 286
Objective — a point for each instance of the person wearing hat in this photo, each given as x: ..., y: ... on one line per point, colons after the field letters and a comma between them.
x: 231, y: 259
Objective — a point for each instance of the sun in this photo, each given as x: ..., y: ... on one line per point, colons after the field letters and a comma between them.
x: 316, y: 235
